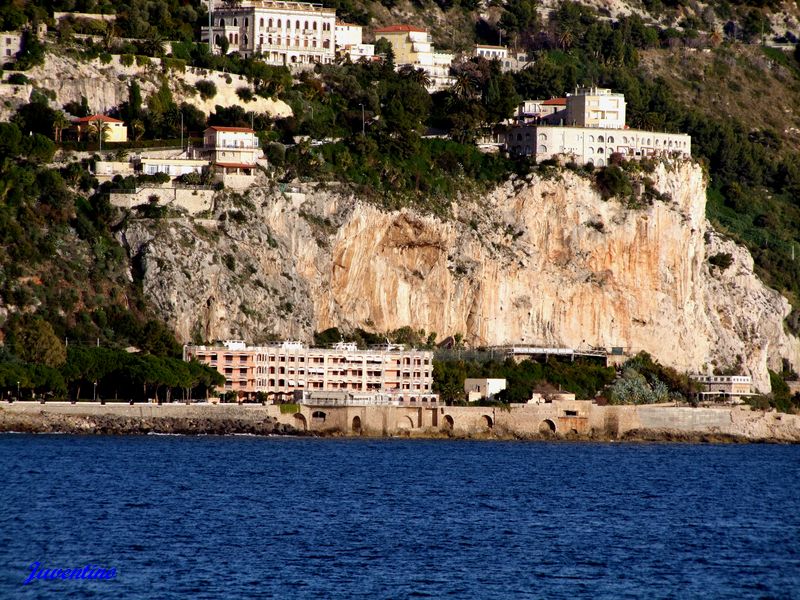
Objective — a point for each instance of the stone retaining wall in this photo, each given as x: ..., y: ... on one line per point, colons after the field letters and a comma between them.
x: 577, y: 419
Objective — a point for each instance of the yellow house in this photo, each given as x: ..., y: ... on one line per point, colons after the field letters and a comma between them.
x: 115, y: 131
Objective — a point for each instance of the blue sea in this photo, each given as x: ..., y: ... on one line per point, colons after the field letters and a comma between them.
x: 249, y: 517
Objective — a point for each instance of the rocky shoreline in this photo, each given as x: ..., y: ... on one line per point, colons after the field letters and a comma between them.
x: 109, y: 424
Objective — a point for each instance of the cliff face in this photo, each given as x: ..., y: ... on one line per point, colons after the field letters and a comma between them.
x: 105, y: 86
x: 543, y: 261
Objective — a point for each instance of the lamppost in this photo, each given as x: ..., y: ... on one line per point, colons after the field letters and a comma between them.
x: 94, y: 393
x: 362, y: 119
x: 18, y: 390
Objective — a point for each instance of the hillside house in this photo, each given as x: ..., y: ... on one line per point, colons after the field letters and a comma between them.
x: 413, y: 46
x: 115, y: 130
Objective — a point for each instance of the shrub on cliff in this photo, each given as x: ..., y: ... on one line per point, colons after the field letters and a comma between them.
x: 207, y: 89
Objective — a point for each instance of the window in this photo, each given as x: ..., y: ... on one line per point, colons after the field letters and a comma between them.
x: 246, y: 22
x: 542, y: 137
x: 610, y: 139
x: 297, y: 24
x: 279, y: 22
x: 235, y: 22
x: 261, y: 22
x: 221, y: 23
x: 600, y: 138
x: 542, y: 148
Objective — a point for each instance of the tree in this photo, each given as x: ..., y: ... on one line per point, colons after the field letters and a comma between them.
x: 36, y: 342
x: 60, y: 122
x: 99, y: 130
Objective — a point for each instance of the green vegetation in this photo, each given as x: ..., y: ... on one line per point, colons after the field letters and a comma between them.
x: 584, y: 378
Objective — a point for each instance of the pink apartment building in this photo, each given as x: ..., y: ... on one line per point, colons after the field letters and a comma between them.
x: 282, y: 368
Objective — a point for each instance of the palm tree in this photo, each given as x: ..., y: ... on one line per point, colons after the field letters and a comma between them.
x: 137, y: 127
x: 463, y: 86
x: 419, y: 76
x: 99, y: 130
x: 60, y: 122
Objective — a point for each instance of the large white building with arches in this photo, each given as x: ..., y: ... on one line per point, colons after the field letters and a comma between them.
x: 283, y: 33
x: 595, y: 130
x: 591, y: 145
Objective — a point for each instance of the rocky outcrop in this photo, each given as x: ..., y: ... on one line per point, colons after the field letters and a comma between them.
x: 105, y: 86
x: 539, y: 261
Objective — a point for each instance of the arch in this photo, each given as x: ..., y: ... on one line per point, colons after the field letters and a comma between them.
x: 281, y: 383
x: 542, y: 137
x: 261, y: 22
x: 245, y: 39
x: 221, y: 23
x: 611, y: 139
x: 246, y: 22
x: 356, y: 425
x: 591, y: 150
x: 271, y: 383
x: 600, y: 138
x: 448, y: 422
x: 488, y: 421
x: 547, y: 427
x: 591, y: 138
x: 235, y: 22
x: 300, y: 422
x: 279, y: 23
x: 305, y: 25
x: 318, y: 417
x: 601, y: 162
x: 297, y: 24
x: 600, y: 151
x: 315, y: 25
x: 405, y: 423
x: 542, y: 148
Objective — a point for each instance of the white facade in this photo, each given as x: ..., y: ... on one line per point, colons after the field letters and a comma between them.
x: 595, y: 107
x: 347, y: 34
x: 10, y: 45
x: 478, y: 388
x: 283, y: 33
x: 491, y: 52
x: 591, y: 145
x: 174, y: 167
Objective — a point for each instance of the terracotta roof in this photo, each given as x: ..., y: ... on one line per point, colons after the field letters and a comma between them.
x: 555, y: 102
x: 490, y: 46
x: 234, y: 129
x: 400, y: 28
x: 97, y: 118
x: 234, y: 165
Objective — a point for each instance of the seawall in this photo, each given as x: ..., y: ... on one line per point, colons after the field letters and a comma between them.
x: 568, y: 420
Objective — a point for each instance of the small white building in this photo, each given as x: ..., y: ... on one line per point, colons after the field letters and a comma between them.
x: 490, y: 52
x: 479, y: 388
x: 10, y: 45
x: 727, y: 387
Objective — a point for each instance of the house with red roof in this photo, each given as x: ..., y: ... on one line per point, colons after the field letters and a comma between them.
x: 114, y: 130
x: 231, y: 150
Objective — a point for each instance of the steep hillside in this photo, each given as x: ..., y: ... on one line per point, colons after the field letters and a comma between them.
x: 540, y: 261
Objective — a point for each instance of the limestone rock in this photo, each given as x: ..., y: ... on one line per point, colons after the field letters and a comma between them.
x: 545, y: 261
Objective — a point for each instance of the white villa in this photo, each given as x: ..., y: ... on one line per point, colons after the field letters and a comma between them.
x: 595, y: 129
x: 284, y: 33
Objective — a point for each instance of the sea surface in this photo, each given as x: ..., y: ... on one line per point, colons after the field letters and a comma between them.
x: 251, y: 517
